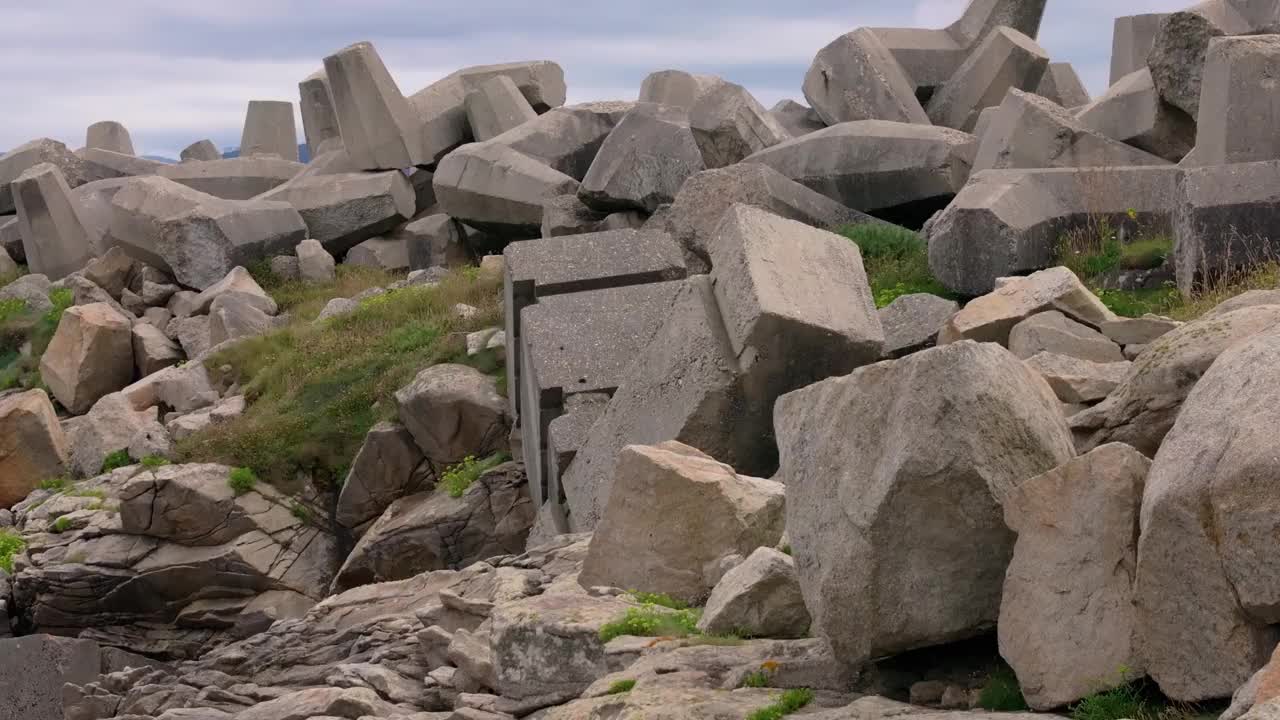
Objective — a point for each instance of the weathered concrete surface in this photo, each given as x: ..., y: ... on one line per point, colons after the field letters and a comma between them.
x: 644, y: 161
x: 1131, y: 42
x: 857, y: 78
x: 239, y: 178
x: 1224, y: 220
x: 55, y: 238
x: 495, y: 107
x: 497, y: 189
x: 1239, y: 107
x: 1005, y: 59
x: 567, y: 138
x: 1061, y: 84
x: 201, y: 150
x: 109, y: 135
x: 378, y: 126
x: 319, y: 121
x: 344, y: 209
x: 269, y: 130
x: 797, y: 119
x: 1178, y: 50
x: 75, y: 169
x: 1131, y: 111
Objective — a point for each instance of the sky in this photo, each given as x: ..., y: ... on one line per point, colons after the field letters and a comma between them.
x: 177, y: 71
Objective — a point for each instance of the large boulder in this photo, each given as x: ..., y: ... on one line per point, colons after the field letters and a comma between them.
x: 388, y: 467
x: 497, y: 189
x: 1056, y: 333
x: 1005, y: 59
x: 319, y: 121
x: 1132, y: 112
x: 436, y: 241
x: 912, y: 322
x: 1068, y: 624
x: 1222, y: 222
x: 435, y: 531
x: 797, y: 119
x: 728, y: 122
x: 895, y: 477
x: 1061, y: 84
x: 671, y: 485
x: 201, y: 151
x: 992, y: 317
x: 111, y: 425
x: 644, y: 161
x: 1143, y: 409
x: 760, y: 597
x: 567, y: 138
x: 1207, y: 583
x: 857, y: 78
x: 454, y: 412
x: 1077, y: 381
x: 1179, y: 47
x: 376, y: 122
x: 33, y: 447
x: 90, y: 355
x: 897, y: 171
x: 340, y: 210
x: 56, y: 239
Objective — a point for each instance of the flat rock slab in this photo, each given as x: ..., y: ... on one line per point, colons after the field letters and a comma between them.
x: 34, y: 669
x: 912, y: 322
x: 238, y: 178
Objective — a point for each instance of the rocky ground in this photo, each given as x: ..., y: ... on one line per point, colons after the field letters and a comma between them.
x: 950, y: 393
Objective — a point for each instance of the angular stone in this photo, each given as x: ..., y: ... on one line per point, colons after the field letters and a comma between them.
x: 1143, y: 409
x: 269, y: 130
x: 341, y: 210
x: 1009, y: 222
x: 705, y: 197
x: 660, y: 485
x: 111, y: 272
x: 1131, y: 42
x: 388, y: 466
x: 192, y: 333
x: 1068, y: 620
x: 237, y: 281
x: 1223, y: 220
x: 153, y: 351
x: 119, y: 163
x: 991, y: 317
x: 110, y: 426
x: 35, y: 669
x: 236, y: 315
x: 495, y: 107
x: 1056, y: 333
x: 1029, y: 131
x: 453, y: 411
x: 898, y: 480
x: 567, y: 138
x: 644, y: 161
x: 1178, y: 50
x: 11, y: 237
x: 435, y: 241
x: 982, y: 16
x: 33, y: 447
x: 928, y: 56
x: 1062, y: 85
x: 315, y: 264
x: 386, y: 254
x: 857, y: 78
x: 497, y: 189
x: 1005, y: 59
x: 1077, y: 381
x: 761, y: 598
x: 75, y: 169
x: 727, y: 121
x: 1207, y: 585
x: 1146, y: 329
x: 201, y: 151
x: 912, y: 322
x: 897, y: 171
x: 33, y: 290
x: 91, y: 354
x: 319, y: 121
x: 109, y: 135
x: 1131, y: 111
x: 378, y: 126
x: 56, y: 241
x: 797, y: 119
x: 1233, y: 128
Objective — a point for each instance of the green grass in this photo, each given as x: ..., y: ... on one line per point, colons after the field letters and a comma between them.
x: 757, y: 679
x: 621, y: 686
x: 458, y: 478
x: 896, y: 261
x: 97, y: 493
x: 11, y: 543
x: 61, y: 525
x: 653, y: 621
x: 20, y: 325
x: 115, y: 461
x: 57, y: 484
x: 315, y: 390
x: 790, y: 701
x: 241, y: 480
x: 153, y: 462
x: 659, y: 599
x: 300, y: 511
x: 1002, y: 693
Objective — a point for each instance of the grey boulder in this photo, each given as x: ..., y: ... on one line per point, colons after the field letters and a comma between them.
x: 341, y: 210
x: 453, y: 412
x: 644, y: 161
x: 497, y: 189
x: 760, y: 597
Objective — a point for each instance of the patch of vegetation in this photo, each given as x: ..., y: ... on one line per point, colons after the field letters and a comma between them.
x: 61, y: 525
x: 316, y: 389
x: 57, y: 484
x: 659, y: 599
x: 790, y: 701
x: 621, y: 686
x: 757, y: 679
x: 19, y: 325
x: 458, y: 478
x: 242, y: 480
x: 6, y: 278
x: 152, y: 462
x: 115, y: 461
x: 1002, y: 692
x: 11, y: 543
x: 300, y: 511
x: 786, y: 549
x: 896, y: 261
x: 653, y: 621
x: 97, y: 493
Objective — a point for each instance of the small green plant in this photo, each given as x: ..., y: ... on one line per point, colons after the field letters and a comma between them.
x: 1113, y: 704
x: 56, y: 485
x: 1002, y: 692
x: 786, y: 549
x: 115, y: 461
x: 152, y: 462
x: 458, y: 478
x: 790, y: 701
x: 757, y: 679
x: 11, y: 543
x: 97, y: 493
x: 621, y: 686
x: 659, y: 599
x: 300, y: 511
x: 61, y: 525
x: 242, y: 480
x: 652, y: 621
x: 10, y: 309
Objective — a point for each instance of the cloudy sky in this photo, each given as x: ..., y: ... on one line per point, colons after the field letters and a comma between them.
x: 176, y: 71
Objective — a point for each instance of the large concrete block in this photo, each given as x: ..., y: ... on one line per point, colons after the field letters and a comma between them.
x: 1062, y: 85
x: 319, y: 121
x: 239, y: 178
x: 1239, y: 106
x: 982, y: 16
x: 11, y: 237
x: 434, y: 241
x: 137, y: 210
x: 76, y: 170
x: 901, y: 172
x: 1224, y: 221
x: 495, y: 107
x: 857, y: 78
x: 1178, y: 51
x: 676, y: 88
x: 1131, y: 111
x: 1029, y: 131
x: 201, y: 150
x: 496, y: 189
x: 119, y: 163
x: 1009, y: 222
x: 343, y: 210
x: 1131, y: 42
x: 927, y: 56
x: 269, y: 130
x: 644, y: 161
x: 55, y: 239
x: 378, y: 125
x: 109, y: 135
x: 567, y: 138
x: 1005, y: 59
x: 35, y: 668
x: 797, y: 119
x: 729, y: 124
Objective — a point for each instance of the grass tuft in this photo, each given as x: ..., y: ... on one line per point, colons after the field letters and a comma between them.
x: 20, y: 325
x: 1002, y: 693
x: 242, y: 480
x: 458, y: 478
x: 659, y: 599
x: 115, y: 461
x: 57, y: 484
x: 61, y: 525
x: 790, y: 701
x: 896, y: 261
x: 11, y: 543
x: 300, y: 511
x: 653, y: 621
x: 621, y: 686
x: 152, y: 462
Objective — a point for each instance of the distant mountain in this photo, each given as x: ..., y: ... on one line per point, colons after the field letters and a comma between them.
x: 304, y: 153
